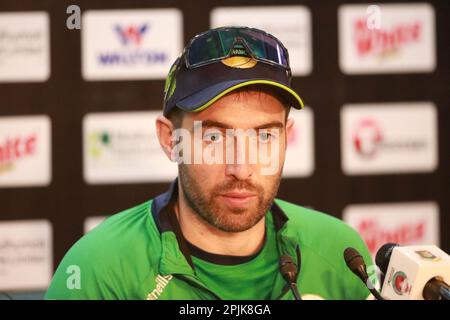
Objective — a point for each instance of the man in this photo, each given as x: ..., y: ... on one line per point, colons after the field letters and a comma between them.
x: 218, y: 233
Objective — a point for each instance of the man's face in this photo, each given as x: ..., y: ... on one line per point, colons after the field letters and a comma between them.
x: 234, y: 195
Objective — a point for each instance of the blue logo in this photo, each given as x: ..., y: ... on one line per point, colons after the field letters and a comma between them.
x: 133, y: 52
x: 131, y: 34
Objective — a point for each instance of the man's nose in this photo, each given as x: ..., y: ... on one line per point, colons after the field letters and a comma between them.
x: 239, y: 171
x: 243, y: 156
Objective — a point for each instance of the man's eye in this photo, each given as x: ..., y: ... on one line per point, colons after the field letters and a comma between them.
x: 265, y: 136
x: 213, y: 137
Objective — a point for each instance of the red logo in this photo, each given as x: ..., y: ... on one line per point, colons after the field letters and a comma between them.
x: 366, y: 138
x: 401, y: 284
x: 16, y: 148
x: 375, y: 235
x: 382, y: 42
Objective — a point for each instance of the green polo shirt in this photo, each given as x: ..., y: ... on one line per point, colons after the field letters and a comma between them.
x: 236, y: 278
x: 140, y: 253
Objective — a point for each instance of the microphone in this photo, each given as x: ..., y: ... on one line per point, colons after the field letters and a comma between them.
x: 288, y: 269
x: 436, y: 289
x: 356, y: 264
x: 414, y: 272
x: 383, y: 257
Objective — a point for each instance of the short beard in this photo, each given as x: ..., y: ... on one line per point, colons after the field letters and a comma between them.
x: 222, y: 218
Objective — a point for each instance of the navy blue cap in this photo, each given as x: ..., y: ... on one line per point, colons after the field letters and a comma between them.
x: 195, y: 89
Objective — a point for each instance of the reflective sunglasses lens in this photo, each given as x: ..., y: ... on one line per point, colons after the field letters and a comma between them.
x: 217, y: 44
x: 265, y: 47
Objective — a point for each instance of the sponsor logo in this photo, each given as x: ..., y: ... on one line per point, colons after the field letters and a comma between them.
x: 14, y: 149
x: 411, y: 223
x: 376, y: 234
x: 24, y: 46
x: 25, y: 155
x: 389, y: 138
x: 131, y: 34
x: 123, y: 147
x: 132, y: 53
x: 161, y: 283
x: 25, y: 254
x: 130, y: 44
x: 402, y: 41
x: 367, y: 137
x: 118, y: 143
x: 385, y: 43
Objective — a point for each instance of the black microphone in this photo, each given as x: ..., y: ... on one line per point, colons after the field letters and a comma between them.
x: 356, y: 264
x: 436, y: 289
x: 383, y: 257
x: 288, y: 269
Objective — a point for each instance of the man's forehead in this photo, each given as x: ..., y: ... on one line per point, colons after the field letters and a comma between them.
x: 235, y: 111
x: 235, y: 121
x: 208, y: 123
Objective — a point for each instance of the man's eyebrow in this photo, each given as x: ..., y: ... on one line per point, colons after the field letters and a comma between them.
x: 218, y: 124
x: 273, y: 124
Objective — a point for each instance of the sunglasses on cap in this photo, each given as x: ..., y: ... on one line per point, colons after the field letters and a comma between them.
x: 220, y: 43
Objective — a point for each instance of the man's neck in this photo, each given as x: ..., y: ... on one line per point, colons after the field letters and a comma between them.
x: 210, y: 239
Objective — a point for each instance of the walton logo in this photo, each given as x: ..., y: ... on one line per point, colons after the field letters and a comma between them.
x: 131, y: 34
x: 13, y: 149
x: 161, y: 283
x: 134, y: 52
x: 383, y: 42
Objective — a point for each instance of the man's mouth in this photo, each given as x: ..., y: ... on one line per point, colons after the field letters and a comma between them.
x: 237, y: 198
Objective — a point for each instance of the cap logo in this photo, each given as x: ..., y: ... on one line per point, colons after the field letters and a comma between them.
x: 239, y: 57
x: 240, y: 62
x: 170, y: 84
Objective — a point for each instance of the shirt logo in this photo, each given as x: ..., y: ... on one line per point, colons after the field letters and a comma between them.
x: 161, y: 283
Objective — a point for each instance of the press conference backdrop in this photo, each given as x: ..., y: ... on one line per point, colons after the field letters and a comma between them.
x: 77, y: 111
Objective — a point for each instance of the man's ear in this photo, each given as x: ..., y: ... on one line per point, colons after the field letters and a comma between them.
x: 164, y: 130
x: 289, y: 128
